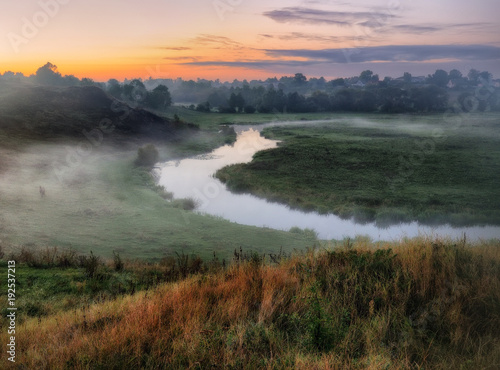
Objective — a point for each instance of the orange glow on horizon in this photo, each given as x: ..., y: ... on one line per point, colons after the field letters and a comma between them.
x: 104, y: 72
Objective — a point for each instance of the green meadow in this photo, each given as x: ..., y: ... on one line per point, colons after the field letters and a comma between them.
x: 386, y: 169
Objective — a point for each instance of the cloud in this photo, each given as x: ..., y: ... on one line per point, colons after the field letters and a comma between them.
x: 176, y: 48
x: 182, y: 58
x: 206, y: 39
x: 392, y: 53
x: 316, y: 16
x: 429, y: 28
x: 382, y: 19
x: 326, y: 2
x: 256, y: 64
x: 315, y: 37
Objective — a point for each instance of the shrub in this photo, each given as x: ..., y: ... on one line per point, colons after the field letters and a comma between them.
x: 90, y: 264
x: 117, y: 262
x: 147, y: 156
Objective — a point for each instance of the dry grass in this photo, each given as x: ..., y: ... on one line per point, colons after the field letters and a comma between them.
x: 425, y: 304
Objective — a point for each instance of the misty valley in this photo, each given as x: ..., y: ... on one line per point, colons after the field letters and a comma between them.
x: 241, y: 214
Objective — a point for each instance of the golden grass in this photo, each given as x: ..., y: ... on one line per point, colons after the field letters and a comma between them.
x: 432, y: 304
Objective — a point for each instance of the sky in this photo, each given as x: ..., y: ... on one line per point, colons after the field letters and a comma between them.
x: 248, y: 39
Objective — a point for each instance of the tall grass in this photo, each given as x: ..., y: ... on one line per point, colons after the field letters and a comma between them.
x: 420, y: 303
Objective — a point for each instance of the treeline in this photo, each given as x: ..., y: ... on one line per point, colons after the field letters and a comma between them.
x: 134, y: 92
x: 297, y: 94
x: 389, y: 99
x: 365, y: 93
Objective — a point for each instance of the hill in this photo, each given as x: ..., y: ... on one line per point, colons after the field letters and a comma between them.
x: 46, y: 112
x: 413, y: 304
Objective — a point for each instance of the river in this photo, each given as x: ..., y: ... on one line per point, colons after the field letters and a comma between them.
x: 193, y: 178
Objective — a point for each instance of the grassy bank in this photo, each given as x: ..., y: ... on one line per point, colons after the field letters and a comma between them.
x: 103, y: 203
x: 387, y: 170
x: 414, y: 304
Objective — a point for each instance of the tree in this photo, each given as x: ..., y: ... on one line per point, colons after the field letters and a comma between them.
x: 394, y: 100
x: 366, y: 76
x: 87, y: 82
x: 203, y: 107
x: 114, y: 88
x: 455, y: 74
x: 272, y: 100
x: 236, y: 102
x: 343, y: 100
x: 48, y: 75
x: 337, y: 82
x: 135, y: 91
x: 296, y: 103
x: 70, y: 80
x: 159, y: 98
x: 485, y: 76
x: 473, y: 76
x: 321, y: 101
x: 299, y: 79
x: 439, y: 78
x: 456, y: 78
x: 217, y: 98
x: 366, y: 101
x: 429, y: 99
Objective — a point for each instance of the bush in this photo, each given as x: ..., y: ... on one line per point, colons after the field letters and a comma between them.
x: 90, y: 264
x: 187, y: 204
x: 117, y: 262
x: 147, y: 156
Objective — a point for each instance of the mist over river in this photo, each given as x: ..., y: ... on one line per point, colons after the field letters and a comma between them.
x: 194, y: 178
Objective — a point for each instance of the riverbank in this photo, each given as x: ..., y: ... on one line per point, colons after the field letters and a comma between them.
x: 105, y: 203
x: 386, y: 171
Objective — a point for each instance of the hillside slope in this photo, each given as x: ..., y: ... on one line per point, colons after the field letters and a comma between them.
x: 415, y: 304
x: 45, y: 112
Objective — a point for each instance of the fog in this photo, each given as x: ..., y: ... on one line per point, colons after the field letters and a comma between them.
x: 73, y: 190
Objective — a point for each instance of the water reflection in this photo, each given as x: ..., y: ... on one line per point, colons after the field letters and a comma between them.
x: 193, y: 177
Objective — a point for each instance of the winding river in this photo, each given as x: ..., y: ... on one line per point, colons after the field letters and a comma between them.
x: 193, y: 178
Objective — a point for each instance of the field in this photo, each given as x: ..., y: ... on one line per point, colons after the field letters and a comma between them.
x: 386, y: 169
x: 213, y: 120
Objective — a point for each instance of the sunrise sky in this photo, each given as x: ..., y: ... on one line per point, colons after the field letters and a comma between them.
x: 230, y: 39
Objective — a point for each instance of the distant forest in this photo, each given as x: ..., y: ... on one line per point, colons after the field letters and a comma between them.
x: 477, y: 91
